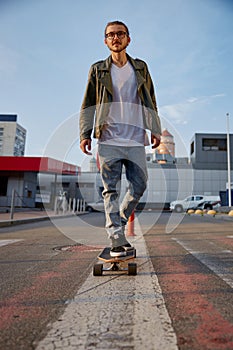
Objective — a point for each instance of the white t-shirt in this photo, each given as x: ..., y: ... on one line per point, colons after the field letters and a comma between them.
x: 125, y: 120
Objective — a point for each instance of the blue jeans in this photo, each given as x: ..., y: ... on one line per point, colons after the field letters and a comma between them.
x: 112, y: 159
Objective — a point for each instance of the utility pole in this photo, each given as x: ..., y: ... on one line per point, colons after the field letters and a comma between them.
x: 228, y: 162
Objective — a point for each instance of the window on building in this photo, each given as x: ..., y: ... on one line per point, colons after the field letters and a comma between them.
x: 192, y: 148
x: 29, y: 194
x: 19, y: 145
x: 211, y: 144
x: 3, y: 185
x: 1, y: 140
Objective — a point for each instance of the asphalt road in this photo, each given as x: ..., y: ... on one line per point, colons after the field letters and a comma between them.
x: 194, y: 265
x: 37, y: 279
x: 182, y: 294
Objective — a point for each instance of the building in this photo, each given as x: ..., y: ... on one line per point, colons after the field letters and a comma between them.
x: 209, y: 158
x: 205, y: 174
x: 93, y: 165
x: 165, y: 153
x: 167, y: 145
x: 35, y: 180
x: 209, y: 151
x: 12, y: 136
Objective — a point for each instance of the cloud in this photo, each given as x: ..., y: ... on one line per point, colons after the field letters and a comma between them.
x: 204, y: 99
x: 177, y: 112
x: 180, y: 113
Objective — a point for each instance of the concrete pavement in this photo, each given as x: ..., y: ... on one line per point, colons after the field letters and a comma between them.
x: 22, y: 216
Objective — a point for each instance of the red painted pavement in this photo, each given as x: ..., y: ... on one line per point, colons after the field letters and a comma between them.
x: 199, y: 325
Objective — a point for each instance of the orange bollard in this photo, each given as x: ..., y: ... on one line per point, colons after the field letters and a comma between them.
x: 130, y: 231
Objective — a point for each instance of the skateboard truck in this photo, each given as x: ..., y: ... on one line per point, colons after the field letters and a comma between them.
x: 115, y: 263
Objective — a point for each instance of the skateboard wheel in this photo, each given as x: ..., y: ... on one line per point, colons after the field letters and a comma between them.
x: 98, y: 270
x: 132, y: 269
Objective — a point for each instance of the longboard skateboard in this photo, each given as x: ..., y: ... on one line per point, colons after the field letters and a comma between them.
x: 116, y: 263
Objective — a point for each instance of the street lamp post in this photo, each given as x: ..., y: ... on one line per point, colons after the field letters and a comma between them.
x: 228, y: 162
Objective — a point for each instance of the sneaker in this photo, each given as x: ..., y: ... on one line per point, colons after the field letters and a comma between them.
x: 117, y: 252
x: 128, y: 247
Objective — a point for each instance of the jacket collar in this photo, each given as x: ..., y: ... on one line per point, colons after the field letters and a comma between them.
x: 106, y: 78
x: 106, y: 64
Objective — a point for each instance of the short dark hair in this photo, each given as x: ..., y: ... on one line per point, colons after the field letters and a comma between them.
x: 116, y: 22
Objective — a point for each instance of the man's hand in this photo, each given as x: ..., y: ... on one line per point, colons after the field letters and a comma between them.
x: 155, y: 140
x: 85, y: 146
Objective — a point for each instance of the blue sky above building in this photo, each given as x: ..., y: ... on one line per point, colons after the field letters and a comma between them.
x: 47, y: 47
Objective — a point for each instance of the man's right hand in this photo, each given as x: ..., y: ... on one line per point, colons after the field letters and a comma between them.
x: 85, y: 146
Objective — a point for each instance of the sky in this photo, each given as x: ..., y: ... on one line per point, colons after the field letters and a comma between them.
x: 47, y: 47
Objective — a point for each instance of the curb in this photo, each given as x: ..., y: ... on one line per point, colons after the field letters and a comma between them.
x: 7, y: 223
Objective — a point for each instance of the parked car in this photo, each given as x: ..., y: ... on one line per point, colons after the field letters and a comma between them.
x: 95, y: 206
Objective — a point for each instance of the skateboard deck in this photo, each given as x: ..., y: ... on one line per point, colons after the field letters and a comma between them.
x: 116, y: 263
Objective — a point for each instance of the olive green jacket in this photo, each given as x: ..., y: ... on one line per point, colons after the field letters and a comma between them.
x: 99, y: 94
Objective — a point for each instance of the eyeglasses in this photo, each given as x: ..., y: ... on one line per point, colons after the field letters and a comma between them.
x: 111, y: 35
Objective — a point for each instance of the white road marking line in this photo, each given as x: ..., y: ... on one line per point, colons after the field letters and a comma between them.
x: 115, y: 311
x: 219, y: 266
x: 8, y: 241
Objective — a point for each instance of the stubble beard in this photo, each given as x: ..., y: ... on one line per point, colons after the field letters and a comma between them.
x: 118, y: 49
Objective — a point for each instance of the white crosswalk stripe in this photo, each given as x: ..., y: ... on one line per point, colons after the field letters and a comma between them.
x: 4, y: 242
x: 217, y: 259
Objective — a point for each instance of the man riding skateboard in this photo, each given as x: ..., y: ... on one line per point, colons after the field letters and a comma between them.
x: 119, y: 105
